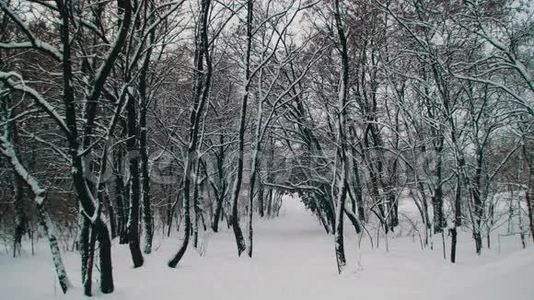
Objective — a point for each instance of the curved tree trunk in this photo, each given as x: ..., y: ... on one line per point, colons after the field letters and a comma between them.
x: 8, y: 150
x: 240, y: 241
x: 201, y: 92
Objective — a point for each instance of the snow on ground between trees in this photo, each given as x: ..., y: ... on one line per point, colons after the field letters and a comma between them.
x: 293, y: 260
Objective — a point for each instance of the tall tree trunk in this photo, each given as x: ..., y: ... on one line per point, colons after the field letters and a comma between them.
x: 253, y: 175
x: 147, y: 209
x: 104, y: 254
x: 20, y: 215
x: 122, y: 215
x: 18, y: 185
x: 339, y: 192
x: 221, y: 190
x: 86, y: 199
x: 89, y: 263
x: 240, y: 241
x: 477, y: 201
x: 200, y: 93
x: 217, y: 214
x: 270, y: 203
x: 196, y: 203
x: 437, y: 198
x: 135, y: 185
x: 457, y: 217
x: 529, y: 194
x: 83, y: 248
x: 261, y: 210
x: 111, y: 212
x: 358, y: 198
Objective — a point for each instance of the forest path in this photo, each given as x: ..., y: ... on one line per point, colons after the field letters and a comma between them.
x: 293, y: 259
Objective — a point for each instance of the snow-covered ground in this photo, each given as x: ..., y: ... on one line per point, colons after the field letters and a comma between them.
x: 293, y: 259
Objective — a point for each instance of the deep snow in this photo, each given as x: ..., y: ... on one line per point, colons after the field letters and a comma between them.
x: 293, y: 259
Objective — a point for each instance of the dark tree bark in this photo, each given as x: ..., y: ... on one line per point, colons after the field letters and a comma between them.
x: 85, y: 196
x: 339, y: 192
x: 196, y: 203
x: 529, y: 194
x: 89, y: 261
x: 83, y: 248
x: 357, y: 202
x: 437, y: 198
x: 20, y: 215
x: 147, y: 209
x: 477, y: 202
x: 122, y: 196
x: 220, y: 190
x: 135, y: 185
x: 200, y: 93
x: 104, y: 253
x: 354, y: 220
x: 261, y: 210
x: 457, y: 218
x: 18, y: 185
x: 240, y: 241
x: 110, y: 211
